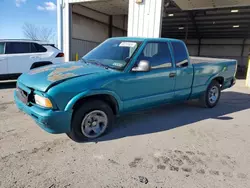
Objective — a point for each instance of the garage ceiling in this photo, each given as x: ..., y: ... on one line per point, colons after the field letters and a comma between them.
x: 117, y: 7
x: 111, y: 7
x: 191, y: 18
x: 206, y: 23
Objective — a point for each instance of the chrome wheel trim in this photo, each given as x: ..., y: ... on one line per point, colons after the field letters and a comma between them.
x: 94, y: 124
x: 213, y: 95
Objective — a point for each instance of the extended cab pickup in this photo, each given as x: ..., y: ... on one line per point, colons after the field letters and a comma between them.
x: 121, y: 75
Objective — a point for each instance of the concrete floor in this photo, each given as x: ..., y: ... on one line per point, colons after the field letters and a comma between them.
x: 172, y: 146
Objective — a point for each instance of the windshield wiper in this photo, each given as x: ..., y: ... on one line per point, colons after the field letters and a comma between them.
x: 95, y: 62
x: 84, y: 61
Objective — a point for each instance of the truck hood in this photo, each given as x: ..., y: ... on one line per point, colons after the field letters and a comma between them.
x: 45, y: 77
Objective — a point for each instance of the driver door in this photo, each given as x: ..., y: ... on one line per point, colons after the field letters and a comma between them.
x: 141, y: 90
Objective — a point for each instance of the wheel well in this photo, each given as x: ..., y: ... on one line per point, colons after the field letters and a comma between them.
x: 40, y: 64
x: 110, y: 100
x: 220, y: 80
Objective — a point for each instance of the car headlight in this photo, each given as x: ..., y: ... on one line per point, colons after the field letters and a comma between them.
x: 43, y: 101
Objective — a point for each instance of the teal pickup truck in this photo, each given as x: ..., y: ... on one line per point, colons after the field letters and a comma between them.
x: 121, y: 75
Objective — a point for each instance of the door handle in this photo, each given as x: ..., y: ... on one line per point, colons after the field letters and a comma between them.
x: 33, y: 57
x: 172, y: 74
x: 1, y: 59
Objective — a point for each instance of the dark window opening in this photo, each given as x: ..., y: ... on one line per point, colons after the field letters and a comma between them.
x: 180, y: 54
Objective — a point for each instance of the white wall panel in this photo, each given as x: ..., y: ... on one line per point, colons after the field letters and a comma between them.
x: 67, y: 16
x: 144, y: 20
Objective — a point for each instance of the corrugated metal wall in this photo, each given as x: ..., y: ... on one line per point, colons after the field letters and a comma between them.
x: 145, y: 19
x: 221, y: 48
x: 82, y: 47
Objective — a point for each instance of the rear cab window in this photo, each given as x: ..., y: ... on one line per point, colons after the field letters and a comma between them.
x: 2, y: 48
x: 180, y: 54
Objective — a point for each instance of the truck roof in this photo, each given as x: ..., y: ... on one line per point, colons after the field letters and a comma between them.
x: 141, y: 39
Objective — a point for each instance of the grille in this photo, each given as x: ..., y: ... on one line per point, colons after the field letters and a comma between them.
x: 22, y: 95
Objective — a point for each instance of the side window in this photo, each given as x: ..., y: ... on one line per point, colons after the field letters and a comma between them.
x: 17, y: 47
x: 39, y: 48
x: 2, y: 47
x: 33, y: 48
x: 180, y: 54
x: 158, y: 55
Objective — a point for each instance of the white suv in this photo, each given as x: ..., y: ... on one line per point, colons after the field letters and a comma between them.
x: 19, y: 56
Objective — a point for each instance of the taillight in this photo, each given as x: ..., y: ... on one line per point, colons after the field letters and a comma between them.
x: 60, y: 55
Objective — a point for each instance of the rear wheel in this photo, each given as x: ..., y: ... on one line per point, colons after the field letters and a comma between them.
x: 91, y: 120
x: 212, y: 95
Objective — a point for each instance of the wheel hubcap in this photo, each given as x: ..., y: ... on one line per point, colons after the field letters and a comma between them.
x: 213, y: 94
x: 94, y: 124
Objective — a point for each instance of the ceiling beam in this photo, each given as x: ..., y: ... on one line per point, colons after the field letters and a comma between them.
x: 242, y: 36
x: 208, y: 24
x: 212, y: 16
x: 219, y: 27
x: 225, y: 8
x: 238, y: 14
x: 215, y: 17
x: 207, y: 20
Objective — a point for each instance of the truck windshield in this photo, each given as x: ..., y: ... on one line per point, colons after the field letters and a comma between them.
x: 113, y: 53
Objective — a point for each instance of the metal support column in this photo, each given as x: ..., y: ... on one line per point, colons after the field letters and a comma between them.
x: 199, y: 47
x: 110, y: 26
x: 59, y: 25
x: 67, y: 29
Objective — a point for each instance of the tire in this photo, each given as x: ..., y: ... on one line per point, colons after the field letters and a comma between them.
x: 207, y: 100
x: 86, y: 120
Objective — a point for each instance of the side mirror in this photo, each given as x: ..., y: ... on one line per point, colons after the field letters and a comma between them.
x: 143, y: 66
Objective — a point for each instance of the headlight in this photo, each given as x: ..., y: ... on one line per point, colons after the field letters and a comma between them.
x: 43, y: 101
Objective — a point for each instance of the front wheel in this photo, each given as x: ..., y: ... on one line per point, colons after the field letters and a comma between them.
x: 212, y: 95
x: 91, y: 120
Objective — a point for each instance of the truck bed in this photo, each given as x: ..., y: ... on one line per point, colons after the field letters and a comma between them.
x: 198, y: 60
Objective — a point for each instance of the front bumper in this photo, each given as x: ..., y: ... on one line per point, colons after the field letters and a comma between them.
x: 51, y: 121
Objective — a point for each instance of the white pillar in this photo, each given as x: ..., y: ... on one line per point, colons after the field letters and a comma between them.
x: 248, y: 73
x: 64, y: 27
x: 59, y: 25
x: 144, y: 19
x: 67, y: 24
